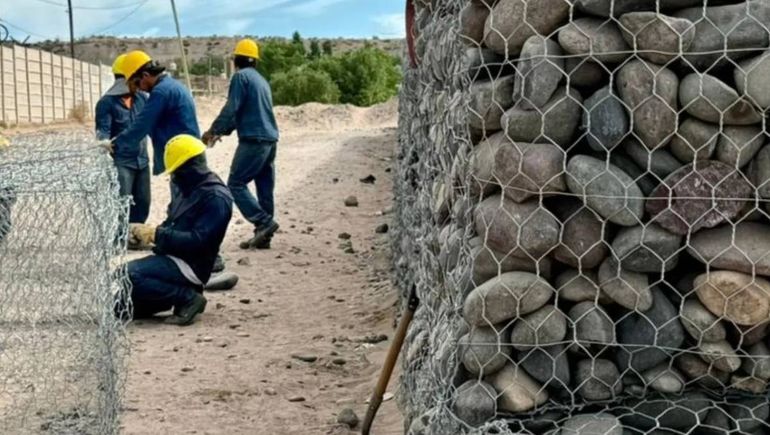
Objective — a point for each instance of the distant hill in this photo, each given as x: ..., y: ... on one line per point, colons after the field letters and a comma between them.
x: 166, y: 50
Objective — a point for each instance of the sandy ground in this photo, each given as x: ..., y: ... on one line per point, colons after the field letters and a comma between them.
x: 234, y: 371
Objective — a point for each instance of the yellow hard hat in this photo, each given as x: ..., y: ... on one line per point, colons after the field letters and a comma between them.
x: 133, y: 62
x: 180, y: 149
x: 117, y: 66
x: 248, y: 48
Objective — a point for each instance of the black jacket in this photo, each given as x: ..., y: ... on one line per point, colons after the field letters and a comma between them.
x: 196, y: 225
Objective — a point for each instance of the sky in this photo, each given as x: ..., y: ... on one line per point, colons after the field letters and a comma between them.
x: 47, y: 19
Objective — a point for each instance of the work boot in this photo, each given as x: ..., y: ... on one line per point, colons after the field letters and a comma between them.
x: 265, y: 245
x: 184, y: 315
x: 262, y: 234
x: 219, y: 264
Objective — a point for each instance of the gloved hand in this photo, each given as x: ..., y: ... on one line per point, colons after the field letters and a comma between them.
x: 142, y: 234
x: 4, y: 143
x: 107, y: 145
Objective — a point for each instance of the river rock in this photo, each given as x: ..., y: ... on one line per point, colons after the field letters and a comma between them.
x: 659, y: 162
x: 695, y: 140
x: 582, y: 72
x: 488, y: 263
x: 582, y: 241
x: 472, y: 20
x: 751, y: 80
x: 512, y: 22
x: 759, y: 172
x: 645, y: 335
x: 525, y: 170
x: 680, y: 412
x: 644, y: 180
x: 517, y: 391
x: 743, y: 247
x: 605, y: 120
x: 724, y: 32
x: 603, y: 8
x: 674, y: 208
x: 664, y: 379
x: 598, y: 379
x: 737, y: 297
x: 489, y: 100
x: 650, y: 91
x: 484, y: 64
x: 482, y: 164
x: 758, y: 362
x: 605, y: 189
x: 628, y: 289
x: 749, y: 414
x: 522, y: 229
x: 592, y: 326
x: 508, y: 296
x: 580, y: 286
x: 710, y: 99
x: 546, y: 326
x: 647, y: 248
x: 475, y: 402
x: 600, y: 38
x: 540, y: 70
x: 745, y: 336
x: 484, y: 350
x: 555, y: 123
x: 548, y: 365
x: 721, y: 355
x: 600, y: 423
x: 700, y: 323
x: 748, y: 384
x: 659, y: 38
x: 738, y: 145
x: 702, y: 372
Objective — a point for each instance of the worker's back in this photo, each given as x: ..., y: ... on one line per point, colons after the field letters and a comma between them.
x: 177, y: 116
x: 255, y: 119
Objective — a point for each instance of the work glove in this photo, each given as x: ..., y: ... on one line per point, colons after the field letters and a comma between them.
x: 210, y: 139
x: 141, y: 234
x: 4, y: 143
x: 107, y: 145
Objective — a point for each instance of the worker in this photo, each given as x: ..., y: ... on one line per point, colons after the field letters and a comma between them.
x: 249, y: 109
x: 170, y: 110
x: 186, y: 243
x: 115, y: 112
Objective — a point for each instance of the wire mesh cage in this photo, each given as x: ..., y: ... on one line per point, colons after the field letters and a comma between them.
x: 582, y: 204
x: 62, y: 233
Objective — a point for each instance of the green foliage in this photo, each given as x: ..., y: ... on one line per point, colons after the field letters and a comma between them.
x: 279, y: 56
x: 328, y: 48
x: 302, y: 85
x: 201, y: 66
x: 315, y: 49
x: 296, y: 39
x: 364, y: 77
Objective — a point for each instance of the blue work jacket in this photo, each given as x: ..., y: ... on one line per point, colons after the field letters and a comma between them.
x: 113, y: 116
x: 249, y: 109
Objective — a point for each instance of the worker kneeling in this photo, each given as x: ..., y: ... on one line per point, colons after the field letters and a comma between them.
x: 186, y: 243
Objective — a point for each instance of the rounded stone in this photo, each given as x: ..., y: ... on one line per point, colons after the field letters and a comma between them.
x: 484, y: 64
x: 489, y: 100
x: 475, y: 402
x: 650, y: 92
x: 686, y: 200
x: 592, y: 327
x: 659, y: 162
x: 630, y: 290
x: 582, y: 240
x: 737, y: 297
x: 749, y: 414
x: 598, y: 379
x: 524, y: 170
x: 700, y: 323
x: 759, y: 172
x: 482, y: 163
x: 582, y: 72
x: 484, y: 350
x: 695, y: 140
x: 743, y: 247
x: 758, y: 362
x: 705, y: 374
x: 616, y: 8
x: 512, y: 22
x: 657, y: 37
x: 605, y: 120
x: 546, y: 326
x: 710, y: 99
x: 555, y: 123
x: 600, y: 423
x: 601, y: 39
x: 517, y: 391
x: 751, y: 80
x: 606, y: 189
x: 748, y: 384
x: 472, y: 20
x: 647, y: 248
x: 525, y: 229
x: 737, y: 145
x: 540, y: 70
x: 488, y: 264
x: 664, y: 379
x: 677, y: 413
x: 721, y: 354
x: 508, y: 296
x: 548, y: 365
x: 645, y: 181
x: 580, y: 286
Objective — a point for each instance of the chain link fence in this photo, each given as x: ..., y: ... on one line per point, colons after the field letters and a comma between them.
x: 582, y: 203
x: 62, y: 238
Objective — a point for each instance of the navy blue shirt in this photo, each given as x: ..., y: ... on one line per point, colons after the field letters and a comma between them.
x: 113, y: 116
x: 249, y: 108
x: 170, y: 111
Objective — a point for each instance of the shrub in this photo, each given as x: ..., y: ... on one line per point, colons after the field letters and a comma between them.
x: 303, y: 85
x: 364, y: 77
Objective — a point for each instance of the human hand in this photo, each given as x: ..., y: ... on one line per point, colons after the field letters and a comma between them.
x: 142, y: 233
x: 107, y: 145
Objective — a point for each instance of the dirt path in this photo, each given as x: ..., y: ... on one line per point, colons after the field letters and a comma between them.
x: 233, y: 371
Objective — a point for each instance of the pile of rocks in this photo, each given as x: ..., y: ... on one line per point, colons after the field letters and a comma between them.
x: 617, y: 194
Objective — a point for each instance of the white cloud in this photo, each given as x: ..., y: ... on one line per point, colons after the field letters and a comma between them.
x: 312, y: 7
x: 390, y: 25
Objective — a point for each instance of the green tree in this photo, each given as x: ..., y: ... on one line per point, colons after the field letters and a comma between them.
x: 315, y: 49
x: 364, y: 77
x: 296, y: 39
x: 279, y: 56
x: 302, y: 85
x: 328, y: 48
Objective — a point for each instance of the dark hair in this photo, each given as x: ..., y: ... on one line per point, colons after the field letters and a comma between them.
x: 244, y: 62
x: 119, y: 76
x: 152, y: 68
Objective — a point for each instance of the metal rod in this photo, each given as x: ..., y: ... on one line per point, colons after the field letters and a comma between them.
x: 72, y: 30
x: 181, y: 47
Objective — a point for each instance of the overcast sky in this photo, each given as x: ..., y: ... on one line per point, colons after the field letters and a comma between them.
x: 47, y: 19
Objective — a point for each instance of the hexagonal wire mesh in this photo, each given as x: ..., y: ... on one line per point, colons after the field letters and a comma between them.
x: 62, y: 233
x: 582, y: 203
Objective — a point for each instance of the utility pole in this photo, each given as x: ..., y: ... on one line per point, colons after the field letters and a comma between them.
x: 72, y: 30
x: 181, y: 48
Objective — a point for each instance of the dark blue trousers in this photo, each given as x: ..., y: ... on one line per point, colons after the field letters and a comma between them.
x: 157, y: 285
x: 254, y: 161
x: 136, y: 183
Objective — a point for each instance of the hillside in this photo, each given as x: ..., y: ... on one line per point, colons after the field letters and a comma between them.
x: 166, y: 50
